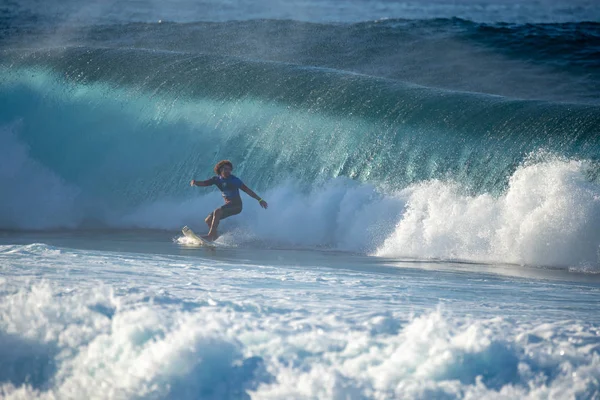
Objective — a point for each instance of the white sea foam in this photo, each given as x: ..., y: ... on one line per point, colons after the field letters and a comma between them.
x: 91, y: 343
x: 549, y: 215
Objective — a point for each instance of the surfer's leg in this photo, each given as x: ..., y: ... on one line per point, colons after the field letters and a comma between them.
x: 219, y: 214
x: 216, y: 217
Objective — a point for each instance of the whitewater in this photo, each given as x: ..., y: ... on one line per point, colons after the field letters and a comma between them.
x: 433, y: 178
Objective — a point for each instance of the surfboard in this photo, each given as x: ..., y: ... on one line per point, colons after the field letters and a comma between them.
x: 187, y: 232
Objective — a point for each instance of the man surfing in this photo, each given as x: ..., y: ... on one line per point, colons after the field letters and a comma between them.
x: 230, y: 186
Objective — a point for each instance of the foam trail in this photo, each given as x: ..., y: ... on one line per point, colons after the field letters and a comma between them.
x: 340, y: 213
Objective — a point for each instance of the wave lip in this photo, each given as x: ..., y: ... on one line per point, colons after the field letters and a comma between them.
x: 546, y: 61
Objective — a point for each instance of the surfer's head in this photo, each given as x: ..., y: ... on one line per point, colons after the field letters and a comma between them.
x: 224, y: 168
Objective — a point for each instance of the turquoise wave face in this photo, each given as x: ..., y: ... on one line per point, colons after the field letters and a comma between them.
x: 125, y: 127
x: 141, y: 109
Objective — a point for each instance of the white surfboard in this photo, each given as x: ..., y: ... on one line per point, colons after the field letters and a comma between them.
x: 187, y: 232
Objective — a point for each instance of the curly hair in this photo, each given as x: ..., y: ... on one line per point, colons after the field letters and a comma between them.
x: 221, y: 164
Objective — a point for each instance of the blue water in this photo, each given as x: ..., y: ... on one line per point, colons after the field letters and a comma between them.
x: 433, y: 177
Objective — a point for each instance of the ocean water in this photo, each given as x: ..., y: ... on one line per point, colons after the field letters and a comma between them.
x: 433, y: 177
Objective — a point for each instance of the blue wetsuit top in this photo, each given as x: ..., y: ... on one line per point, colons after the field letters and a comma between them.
x: 230, y: 187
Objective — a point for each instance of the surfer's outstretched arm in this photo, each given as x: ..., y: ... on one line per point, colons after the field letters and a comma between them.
x: 208, y: 182
x: 250, y: 193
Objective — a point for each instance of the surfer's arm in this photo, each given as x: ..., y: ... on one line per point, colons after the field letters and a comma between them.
x: 208, y: 182
x: 251, y: 193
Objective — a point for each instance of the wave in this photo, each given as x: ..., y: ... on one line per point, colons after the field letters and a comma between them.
x: 111, y: 138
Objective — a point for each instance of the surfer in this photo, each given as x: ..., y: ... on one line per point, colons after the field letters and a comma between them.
x: 230, y: 186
